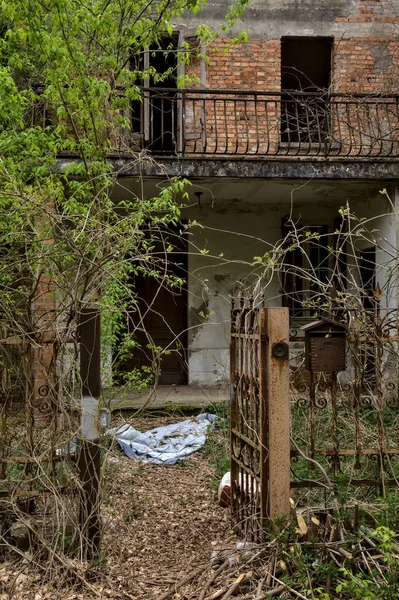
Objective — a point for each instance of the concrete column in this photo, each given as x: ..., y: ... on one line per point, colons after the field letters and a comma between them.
x: 387, y: 250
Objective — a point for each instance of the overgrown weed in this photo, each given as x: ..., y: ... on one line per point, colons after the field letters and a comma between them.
x: 217, y: 447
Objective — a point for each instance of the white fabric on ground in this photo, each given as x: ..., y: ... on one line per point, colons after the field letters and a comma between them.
x: 164, y: 445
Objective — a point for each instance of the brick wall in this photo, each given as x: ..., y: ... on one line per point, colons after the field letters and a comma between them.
x: 369, y: 62
x: 366, y: 65
x: 252, y: 124
x: 254, y: 65
x: 228, y: 124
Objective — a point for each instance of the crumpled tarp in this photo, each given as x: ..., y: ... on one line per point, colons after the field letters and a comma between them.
x: 164, y: 445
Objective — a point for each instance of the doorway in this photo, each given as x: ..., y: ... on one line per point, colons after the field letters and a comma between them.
x: 160, y: 320
x: 367, y: 267
x: 305, y: 68
x: 154, y: 120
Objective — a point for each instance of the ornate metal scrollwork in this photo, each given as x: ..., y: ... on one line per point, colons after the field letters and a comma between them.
x: 365, y: 401
x: 391, y: 394
x: 322, y: 386
x: 320, y: 402
x: 392, y: 402
x: 303, y: 389
x: 303, y: 402
x: 346, y: 387
x: 45, y: 407
x: 44, y: 390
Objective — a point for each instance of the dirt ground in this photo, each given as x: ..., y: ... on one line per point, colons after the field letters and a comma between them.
x: 168, y: 520
x: 160, y: 523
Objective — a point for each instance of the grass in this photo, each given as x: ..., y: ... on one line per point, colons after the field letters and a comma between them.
x: 217, y: 447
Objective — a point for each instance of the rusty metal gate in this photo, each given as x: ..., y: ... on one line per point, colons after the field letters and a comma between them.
x: 50, y: 452
x: 259, y: 419
x: 344, y: 417
x: 344, y: 424
x: 34, y: 415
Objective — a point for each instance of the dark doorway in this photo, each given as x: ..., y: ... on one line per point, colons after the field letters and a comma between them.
x: 156, y: 117
x: 305, y: 67
x: 302, y: 292
x: 161, y: 318
x: 367, y: 281
x: 305, y: 63
x: 367, y: 276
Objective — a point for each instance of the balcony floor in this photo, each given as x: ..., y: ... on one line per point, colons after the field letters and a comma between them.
x: 265, y: 168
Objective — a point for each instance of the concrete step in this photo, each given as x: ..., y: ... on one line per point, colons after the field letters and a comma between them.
x: 166, y: 396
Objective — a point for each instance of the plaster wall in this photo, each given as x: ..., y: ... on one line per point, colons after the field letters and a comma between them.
x: 271, y: 19
x: 238, y: 219
x: 381, y: 220
x: 230, y: 233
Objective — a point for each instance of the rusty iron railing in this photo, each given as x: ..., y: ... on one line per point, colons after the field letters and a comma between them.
x: 267, y: 124
x: 348, y: 421
x: 219, y: 123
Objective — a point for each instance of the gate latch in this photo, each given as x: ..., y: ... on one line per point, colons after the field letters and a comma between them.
x: 280, y: 350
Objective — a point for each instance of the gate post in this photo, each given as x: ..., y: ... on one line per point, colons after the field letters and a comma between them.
x: 89, y: 451
x: 275, y: 399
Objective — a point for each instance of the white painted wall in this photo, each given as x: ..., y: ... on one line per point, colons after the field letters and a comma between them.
x: 241, y: 229
x: 240, y: 219
x: 214, y: 278
x: 380, y: 214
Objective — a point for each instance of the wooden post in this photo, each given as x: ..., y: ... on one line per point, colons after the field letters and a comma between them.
x: 278, y: 411
x: 89, y: 448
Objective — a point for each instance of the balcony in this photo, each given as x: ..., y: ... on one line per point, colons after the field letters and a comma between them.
x: 269, y: 125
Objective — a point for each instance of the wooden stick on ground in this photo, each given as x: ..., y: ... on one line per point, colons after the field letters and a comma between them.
x: 270, y: 568
x: 216, y: 594
x: 237, y: 582
x: 183, y: 581
x: 290, y: 589
x: 212, y: 578
x: 345, y: 553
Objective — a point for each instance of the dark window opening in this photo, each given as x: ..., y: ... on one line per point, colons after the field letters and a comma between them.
x: 305, y: 68
x: 155, y: 118
x: 367, y: 263
x: 367, y: 276
x: 306, y: 272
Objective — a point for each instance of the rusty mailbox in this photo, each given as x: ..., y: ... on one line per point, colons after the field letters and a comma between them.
x: 325, y: 346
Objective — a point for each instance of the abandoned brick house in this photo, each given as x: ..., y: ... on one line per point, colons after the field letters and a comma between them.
x: 304, y: 117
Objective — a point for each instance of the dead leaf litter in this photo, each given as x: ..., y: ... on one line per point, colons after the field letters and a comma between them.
x: 159, y: 523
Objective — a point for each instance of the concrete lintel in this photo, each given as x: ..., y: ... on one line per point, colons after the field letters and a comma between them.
x: 298, y: 168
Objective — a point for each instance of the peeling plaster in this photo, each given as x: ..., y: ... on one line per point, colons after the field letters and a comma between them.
x: 382, y: 58
x: 196, y: 321
x: 220, y: 278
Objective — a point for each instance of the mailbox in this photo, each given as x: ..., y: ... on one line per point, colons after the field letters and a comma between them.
x: 325, y: 346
